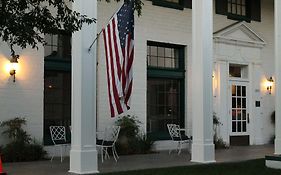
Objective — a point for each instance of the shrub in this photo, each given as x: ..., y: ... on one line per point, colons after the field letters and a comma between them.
x: 130, y: 141
x: 220, y: 144
x: 21, y: 147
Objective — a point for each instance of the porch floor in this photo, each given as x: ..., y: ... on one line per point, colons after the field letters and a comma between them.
x: 135, y: 162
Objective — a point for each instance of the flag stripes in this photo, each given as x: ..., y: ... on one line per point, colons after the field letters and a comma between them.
x: 119, y: 52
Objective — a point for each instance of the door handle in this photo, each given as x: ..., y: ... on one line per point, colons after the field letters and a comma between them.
x: 248, y: 118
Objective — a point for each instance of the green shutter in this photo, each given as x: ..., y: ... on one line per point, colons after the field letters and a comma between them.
x: 255, y: 6
x: 221, y: 7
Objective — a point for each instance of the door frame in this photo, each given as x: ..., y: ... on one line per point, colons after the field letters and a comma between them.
x: 242, y: 83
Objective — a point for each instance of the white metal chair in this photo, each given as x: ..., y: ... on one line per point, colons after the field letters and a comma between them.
x: 58, y: 135
x: 176, y: 136
x: 108, y: 141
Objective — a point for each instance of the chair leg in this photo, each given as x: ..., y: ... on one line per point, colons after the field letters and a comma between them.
x: 106, y: 154
x: 101, y: 154
x: 52, y: 156
x: 115, y: 152
x: 179, y: 148
x: 61, y: 153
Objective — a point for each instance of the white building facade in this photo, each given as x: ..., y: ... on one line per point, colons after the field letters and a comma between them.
x: 167, y: 74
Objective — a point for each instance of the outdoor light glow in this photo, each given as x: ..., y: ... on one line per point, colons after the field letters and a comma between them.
x: 269, y: 85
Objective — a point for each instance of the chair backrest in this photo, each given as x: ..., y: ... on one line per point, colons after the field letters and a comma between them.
x: 111, y: 133
x: 174, y: 131
x: 58, y: 133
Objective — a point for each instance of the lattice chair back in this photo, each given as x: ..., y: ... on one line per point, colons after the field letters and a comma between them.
x: 58, y: 134
x: 174, y: 131
x: 111, y: 133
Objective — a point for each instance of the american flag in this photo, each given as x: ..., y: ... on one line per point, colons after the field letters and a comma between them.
x: 118, y: 38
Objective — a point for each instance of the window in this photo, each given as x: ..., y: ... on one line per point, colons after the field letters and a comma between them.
x: 175, y: 4
x: 238, y: 71
x: 165, y: 88
x: 237, y: 7
x: 58, y: 46
x: 241, y: 10
x: 162, y: 57
x: 57, y: 83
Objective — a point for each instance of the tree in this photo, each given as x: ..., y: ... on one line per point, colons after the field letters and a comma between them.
x: 23, y: 22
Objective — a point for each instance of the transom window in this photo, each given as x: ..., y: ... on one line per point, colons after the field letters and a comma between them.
x: 58, y: 46
x: 163, y: 57
x: 237, y: 7
x: 238, y: 71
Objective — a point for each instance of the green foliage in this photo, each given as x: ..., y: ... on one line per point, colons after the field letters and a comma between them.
x: 130, y: 141
x: 21, y: 147
x: 220, y: 144
x: 23, y: 22
x: 129, y: 126
x: 14, y: 130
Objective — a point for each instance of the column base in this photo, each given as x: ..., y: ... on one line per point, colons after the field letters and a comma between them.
x: 83, y: 162
x: 203, y: 153
x: 277, y: 149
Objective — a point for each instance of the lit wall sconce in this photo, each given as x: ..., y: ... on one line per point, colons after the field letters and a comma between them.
x: 269, y: 85
x: 14, y: 66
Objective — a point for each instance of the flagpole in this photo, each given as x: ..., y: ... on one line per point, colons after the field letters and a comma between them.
x: 89, y: 50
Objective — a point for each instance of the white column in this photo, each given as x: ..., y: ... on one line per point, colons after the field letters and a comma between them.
x: 83, y: 154
x: 202, y: 53
x: 277, y: 18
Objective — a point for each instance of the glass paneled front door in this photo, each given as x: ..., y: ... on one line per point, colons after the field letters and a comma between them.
x: 239, y: 109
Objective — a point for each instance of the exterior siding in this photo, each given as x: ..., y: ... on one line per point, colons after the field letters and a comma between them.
x: 25, y: 97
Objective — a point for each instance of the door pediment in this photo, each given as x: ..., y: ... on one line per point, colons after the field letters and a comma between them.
x: 239, y: 34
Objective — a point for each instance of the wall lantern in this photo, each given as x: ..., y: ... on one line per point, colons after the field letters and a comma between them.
x: 269, y: 85
x: 14, y: 66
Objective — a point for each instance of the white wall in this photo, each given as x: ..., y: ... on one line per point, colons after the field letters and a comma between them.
x: 24, y: 98
x: 174, y: 26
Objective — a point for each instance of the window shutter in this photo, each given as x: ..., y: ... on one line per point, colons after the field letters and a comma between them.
x: 255, y: 10
x: 188, y: 4
x: 221, y: 7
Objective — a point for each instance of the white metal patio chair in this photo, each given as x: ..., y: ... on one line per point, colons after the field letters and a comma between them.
x: 176, y: 136
x: 108, y: 141
x: 58, y: 135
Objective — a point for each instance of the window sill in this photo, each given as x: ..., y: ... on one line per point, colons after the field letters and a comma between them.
x: 163, y: 3
x: 239, y: 17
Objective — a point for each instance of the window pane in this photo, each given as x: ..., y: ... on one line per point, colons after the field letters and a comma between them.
x: 233, y: 90
x: 153, y: 50
x: 161, y: 51
x: 168, y: 52
x: 244, y: 91
x: 161, y: 62
x: 234, y: 126
x: 234, y: 71
x: 153, y: 61
x: 168, y: 63
x: 233, y: 102
x: 239, y: 126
